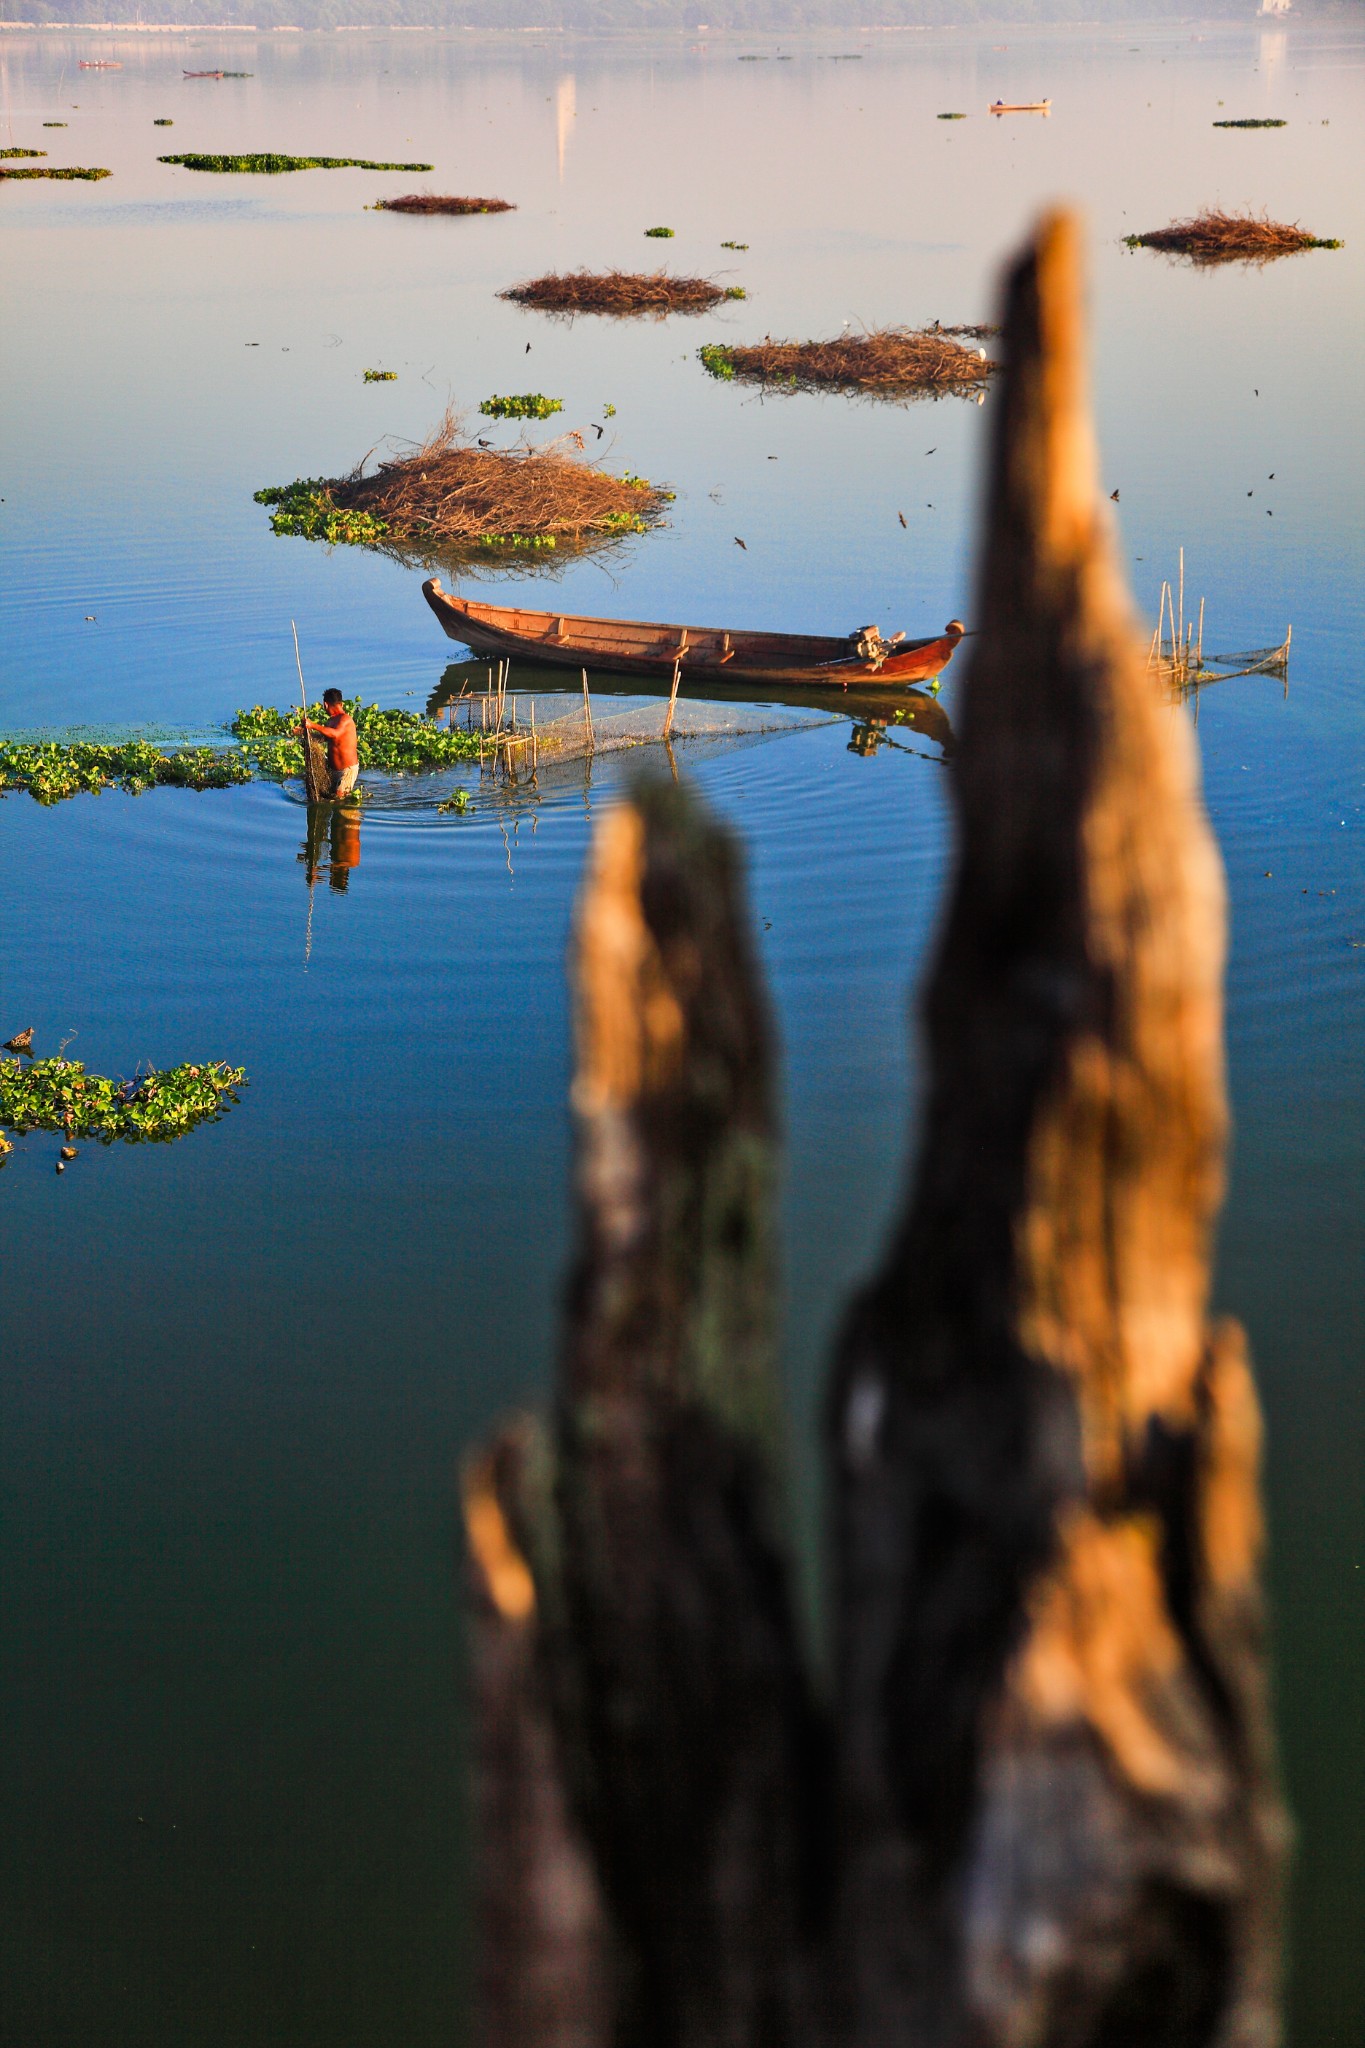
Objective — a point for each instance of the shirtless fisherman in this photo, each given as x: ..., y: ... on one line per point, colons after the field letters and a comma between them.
x: 339, y: 733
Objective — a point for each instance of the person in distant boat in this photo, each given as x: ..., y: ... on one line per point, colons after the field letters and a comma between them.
x: 343, y: 752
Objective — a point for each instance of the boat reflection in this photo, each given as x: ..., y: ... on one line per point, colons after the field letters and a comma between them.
x: 885, y: 710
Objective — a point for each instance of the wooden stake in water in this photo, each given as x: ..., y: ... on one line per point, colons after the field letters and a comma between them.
x: 587, y: 716
x: 310, y: 776
x: 673, y: 697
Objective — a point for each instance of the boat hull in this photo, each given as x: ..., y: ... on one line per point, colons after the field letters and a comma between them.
x: 643, y: 648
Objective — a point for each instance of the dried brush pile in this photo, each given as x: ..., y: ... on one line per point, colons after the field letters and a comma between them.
x: 1217, y: 237
x: 895, y: 362
x: 441, y: 202
x: 620, y: 292
x: 450, y: 494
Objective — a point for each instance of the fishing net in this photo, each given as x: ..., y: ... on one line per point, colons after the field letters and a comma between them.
x: 523, y: 736
x: 1252, y: 661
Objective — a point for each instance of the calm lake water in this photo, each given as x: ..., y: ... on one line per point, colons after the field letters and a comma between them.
x: 240, y: 1371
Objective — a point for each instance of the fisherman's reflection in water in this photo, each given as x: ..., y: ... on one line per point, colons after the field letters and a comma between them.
x: 333, y: 842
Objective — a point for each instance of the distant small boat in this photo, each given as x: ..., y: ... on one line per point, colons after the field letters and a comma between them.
x: 641, y: 648
x: 1020, y: 107
x: 97, y: 64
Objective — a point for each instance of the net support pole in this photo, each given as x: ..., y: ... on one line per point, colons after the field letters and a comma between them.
x: 673, y: 697
x: 587, y: 716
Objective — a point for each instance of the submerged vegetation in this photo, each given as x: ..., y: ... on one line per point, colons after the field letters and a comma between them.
x: 621, y: 292
x: 894, y: 362
x: 155, y: 1108
x: 1217, y: 237
x: 270, y: 162
x: 520, y: 405
x: 50, y: 770
x: 451, y: 496
x: 437, y: 202
x: 88, y: 171
x: 22, y: 152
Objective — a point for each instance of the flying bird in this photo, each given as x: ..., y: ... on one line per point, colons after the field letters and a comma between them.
x: 902, y: 518
x: 1115, y: 496
x: 741, y: 544
x: 933, y: 450
x: 1271, y: 478
x: 528, y: 348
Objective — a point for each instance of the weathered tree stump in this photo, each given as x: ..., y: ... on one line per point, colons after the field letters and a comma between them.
x: 1041, y: 1810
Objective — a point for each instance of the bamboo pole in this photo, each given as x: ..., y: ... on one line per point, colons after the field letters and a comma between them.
x: 673, y: 698
x: 587, y: 717
x: 310, y: 771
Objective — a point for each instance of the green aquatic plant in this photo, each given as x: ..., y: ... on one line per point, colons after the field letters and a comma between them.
x: 22, y: 152
x: 307, y: 508
x: 56, y: 171
x: 660, y: 234
x: 716, y: 359
x: 395, y: 740
x: 529, y: 541
x: 734, y: 245
x: 163, y: 122
x: 735, y: 291
x: 381, y: 376
x: 55, y: 124
x: 460, y: 802
x: 525, y: 405
x: 270, y: 162
x: 1251, y: 124
x: 52, y: 770
x: 609, y: 412
x: 952, y: 117
x: 155, y: 1108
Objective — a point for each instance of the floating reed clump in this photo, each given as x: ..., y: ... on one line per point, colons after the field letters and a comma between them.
x: 22, y: 152
x: 451, y: 494
x: 270, y: 163
x: 899, y: 362
x: 620, y: 292
x: 440, y: 202
x: 53, y: 171
x: 1217, y: 237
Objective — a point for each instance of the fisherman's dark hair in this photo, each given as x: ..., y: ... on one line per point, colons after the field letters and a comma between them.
x: 332, y: 697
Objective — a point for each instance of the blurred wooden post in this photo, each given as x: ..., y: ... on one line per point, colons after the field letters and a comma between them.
x: 1043, y: 1813
x: 690, y: 1724
x: 1058, y: 1816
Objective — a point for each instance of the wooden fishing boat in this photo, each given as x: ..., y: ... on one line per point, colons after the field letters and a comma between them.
x: 641, y: 648
x: 1021, y: 107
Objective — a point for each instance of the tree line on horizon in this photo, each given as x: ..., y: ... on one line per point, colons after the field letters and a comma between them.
x: 646, y: 16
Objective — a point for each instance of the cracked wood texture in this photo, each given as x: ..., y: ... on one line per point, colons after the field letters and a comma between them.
x: 1040, y: 1810
x: 1057, y: 1811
